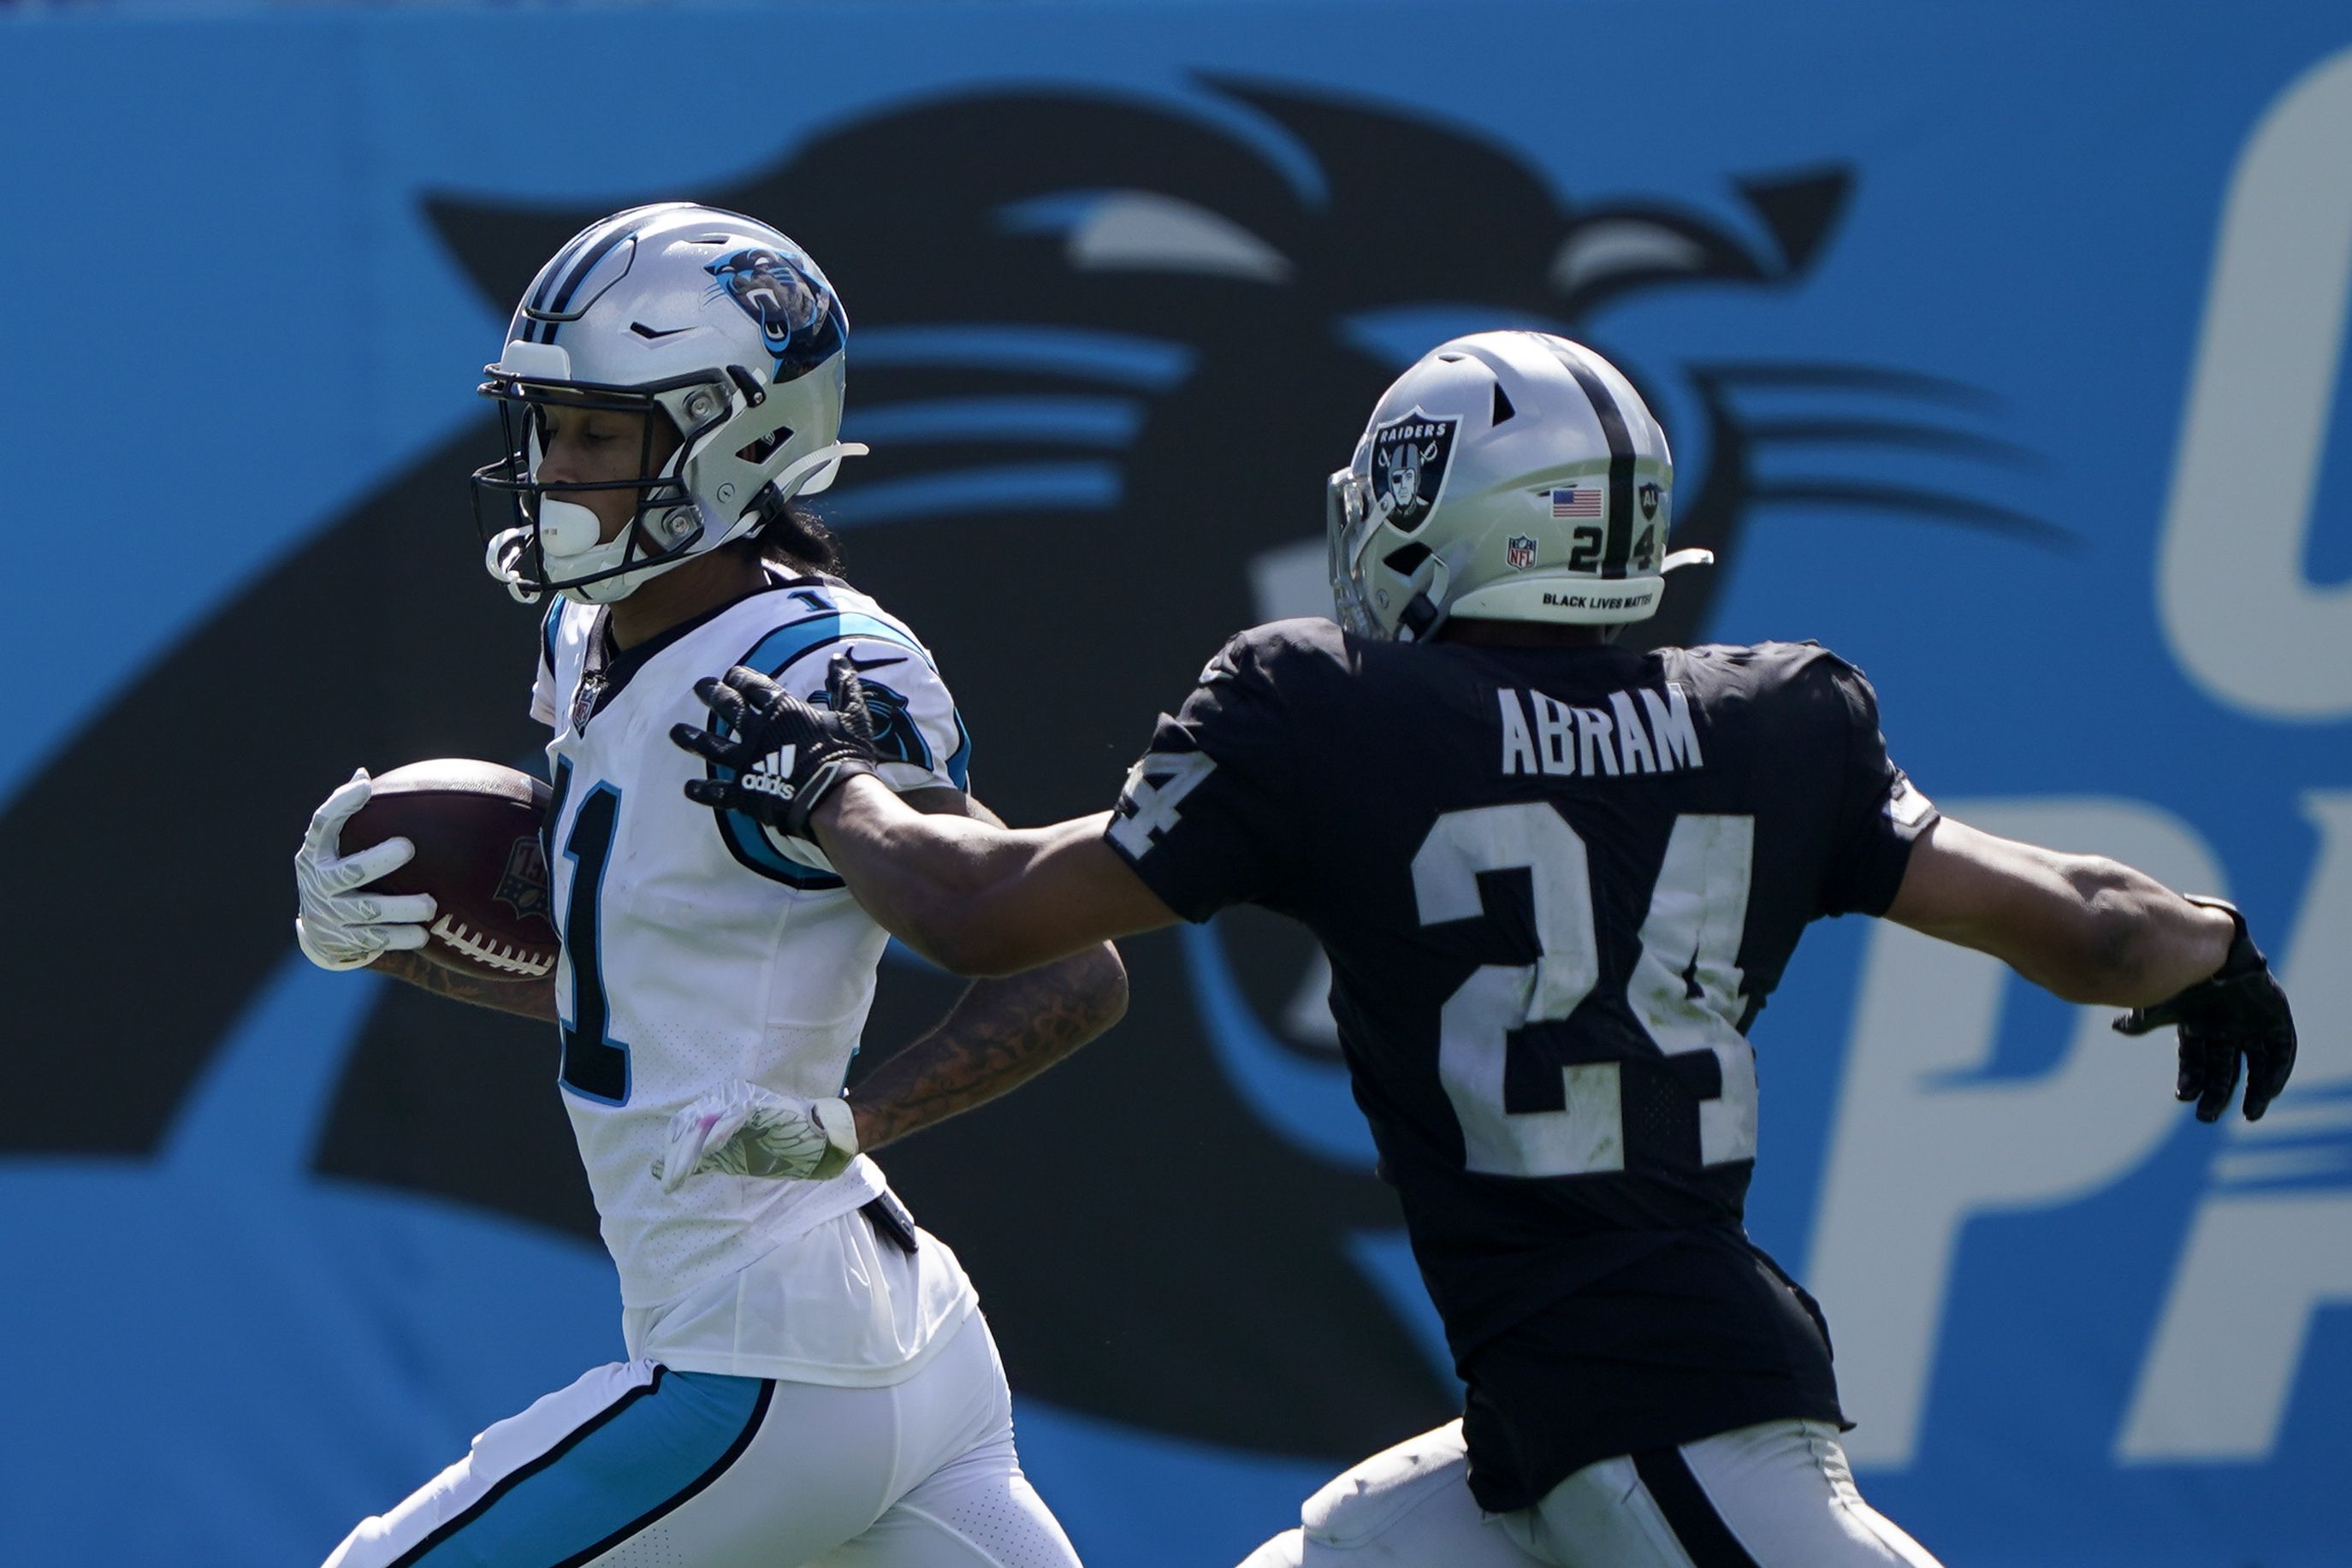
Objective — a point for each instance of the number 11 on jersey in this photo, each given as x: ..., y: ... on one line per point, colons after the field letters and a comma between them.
x: 595, y: 1065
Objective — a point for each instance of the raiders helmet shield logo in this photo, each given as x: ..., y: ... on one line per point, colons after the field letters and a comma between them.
x: 1648, y: 495
x: 1409, y: 457
x: 1520, y: 552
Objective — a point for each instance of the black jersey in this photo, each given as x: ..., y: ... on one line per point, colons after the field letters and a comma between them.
x: 1555, y: 883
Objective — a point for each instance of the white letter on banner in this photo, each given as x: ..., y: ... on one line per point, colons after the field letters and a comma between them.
x: 2243, y: 619
x: 2272, y: 1243
x: 1913, y: 1155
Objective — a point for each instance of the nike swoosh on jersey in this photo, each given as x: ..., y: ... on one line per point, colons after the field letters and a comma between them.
x: 862, y: 665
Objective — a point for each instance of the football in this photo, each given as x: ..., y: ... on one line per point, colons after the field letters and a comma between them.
x: 475, y: 828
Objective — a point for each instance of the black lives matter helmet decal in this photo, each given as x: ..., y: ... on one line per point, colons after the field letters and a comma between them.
x: 1409, y: 458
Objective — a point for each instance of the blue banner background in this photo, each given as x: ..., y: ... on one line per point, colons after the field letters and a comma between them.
x: 233, y: 321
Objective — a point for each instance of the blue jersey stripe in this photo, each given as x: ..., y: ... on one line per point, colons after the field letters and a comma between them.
x: 958, y: 766
x: 773, y: 654
x: 626, y: 1468
x: 786, y: 645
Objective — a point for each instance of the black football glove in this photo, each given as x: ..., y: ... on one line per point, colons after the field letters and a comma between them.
x: 784, y: 756
x: 2238, y: 1011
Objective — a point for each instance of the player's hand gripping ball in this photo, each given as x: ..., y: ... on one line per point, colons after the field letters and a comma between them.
x: 451, y: 869
x: 775, y: 757
x: 2238, y: 1011
x: 745, y: 1130
x: 342, y: 921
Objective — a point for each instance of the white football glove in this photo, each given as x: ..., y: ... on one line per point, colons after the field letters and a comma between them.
x: 338, y: 926
x: 745, y: 1130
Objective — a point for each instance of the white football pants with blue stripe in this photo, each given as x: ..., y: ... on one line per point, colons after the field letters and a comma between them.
x: 1773, y: 1496
x: 635, y: 1466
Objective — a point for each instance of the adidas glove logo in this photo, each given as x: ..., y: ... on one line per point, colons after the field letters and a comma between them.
x: 774, y: 777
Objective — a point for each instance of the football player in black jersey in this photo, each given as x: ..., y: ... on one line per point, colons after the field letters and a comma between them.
x: 1555, y: 879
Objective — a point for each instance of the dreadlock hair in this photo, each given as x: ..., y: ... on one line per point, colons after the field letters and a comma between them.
x: 794, y: 537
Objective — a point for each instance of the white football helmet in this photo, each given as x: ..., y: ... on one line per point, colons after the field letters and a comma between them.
x: 711, y: 319
x: 1506, y: 476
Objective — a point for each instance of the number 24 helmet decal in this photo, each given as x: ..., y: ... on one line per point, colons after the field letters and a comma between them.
x: 1507, y: 475
x: 710, y: 320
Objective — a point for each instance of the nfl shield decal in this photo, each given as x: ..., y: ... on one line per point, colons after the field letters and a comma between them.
x: 523, y: 887
x: 1520, y: 552
x: 1408, y: 466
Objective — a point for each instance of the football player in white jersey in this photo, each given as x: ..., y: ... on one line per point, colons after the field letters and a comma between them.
x: 808, y: 1378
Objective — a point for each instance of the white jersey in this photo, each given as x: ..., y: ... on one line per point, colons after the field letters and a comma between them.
x: 696, y: 950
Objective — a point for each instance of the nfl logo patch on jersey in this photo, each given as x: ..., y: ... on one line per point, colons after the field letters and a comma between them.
x: 1519, y: 551
x: 523, y: 887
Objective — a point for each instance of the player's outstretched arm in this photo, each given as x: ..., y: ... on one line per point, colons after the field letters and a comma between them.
x: 971, y: 895
x: 2089, y: 929
x: 1000, y: 1032
x: 2086, y: 928
x: 976, y: 897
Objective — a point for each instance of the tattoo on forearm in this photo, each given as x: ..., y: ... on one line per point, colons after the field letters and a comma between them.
x: 1002, y: 1033
x: 525, y: 999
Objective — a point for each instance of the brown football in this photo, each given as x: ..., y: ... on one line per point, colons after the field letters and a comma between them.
x: 475, y: 828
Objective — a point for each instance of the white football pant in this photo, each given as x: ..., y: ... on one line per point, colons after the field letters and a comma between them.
x: 634, y: 1466
x: 1777, y: 1495
x: 1408, y: 1508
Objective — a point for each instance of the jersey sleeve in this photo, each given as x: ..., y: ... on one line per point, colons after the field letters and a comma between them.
x: 1208, y: 816
x: 542, y: 685
x: 921, y: 736
x: 1879, y: 813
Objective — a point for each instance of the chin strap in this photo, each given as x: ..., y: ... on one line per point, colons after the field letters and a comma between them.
x: 1695, y: 556
x: 498, y: 557
x: 1418, y: 620
x: 1420, y: 615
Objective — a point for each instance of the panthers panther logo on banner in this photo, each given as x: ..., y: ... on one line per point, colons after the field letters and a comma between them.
x: 1185, y: 342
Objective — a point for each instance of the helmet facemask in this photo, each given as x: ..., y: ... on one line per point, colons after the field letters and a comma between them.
x: 1345, y: 512
x: 1403, y: 603
x: 538, y: 539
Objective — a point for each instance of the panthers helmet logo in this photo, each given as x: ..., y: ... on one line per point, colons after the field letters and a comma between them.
x: 797, y: 319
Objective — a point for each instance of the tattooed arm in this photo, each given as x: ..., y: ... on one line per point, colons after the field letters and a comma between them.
x: 525, y: 999
x: 1001, y: 1033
